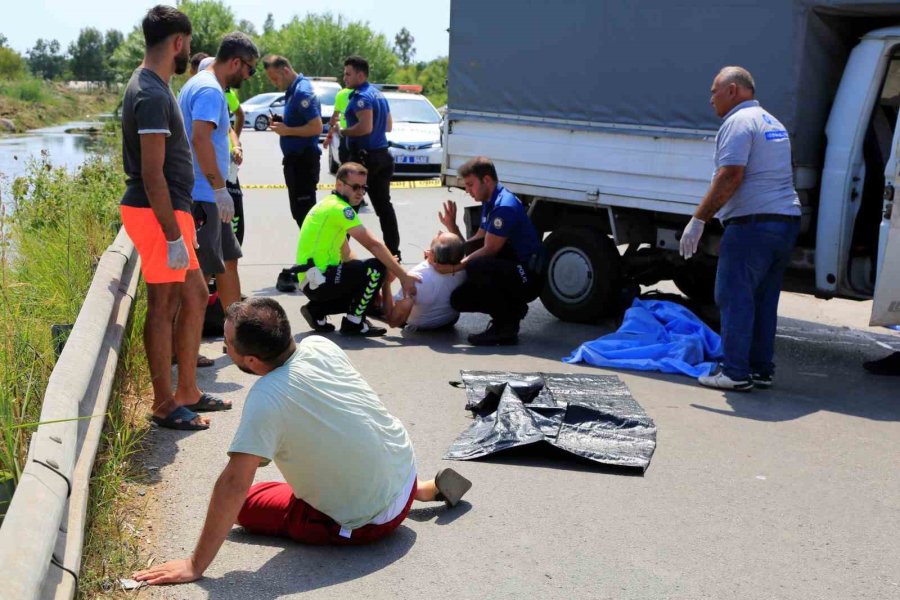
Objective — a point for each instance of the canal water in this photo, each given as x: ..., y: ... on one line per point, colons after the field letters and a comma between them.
x: 63, y: 149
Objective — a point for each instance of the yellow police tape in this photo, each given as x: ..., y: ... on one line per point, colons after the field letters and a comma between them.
x: 395, y: 185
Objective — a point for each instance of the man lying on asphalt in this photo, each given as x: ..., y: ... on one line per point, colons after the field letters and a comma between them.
x: 332, y: 280
x: 349, y: 465
x: 441, y: 273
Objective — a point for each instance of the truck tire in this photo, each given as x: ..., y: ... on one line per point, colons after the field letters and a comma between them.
x: 583, y: 275
x: 697, y: 281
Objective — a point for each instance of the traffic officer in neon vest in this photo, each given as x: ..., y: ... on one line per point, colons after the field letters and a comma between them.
x: 332, y: 279
x: 368, y: 122
x: 505, y: 273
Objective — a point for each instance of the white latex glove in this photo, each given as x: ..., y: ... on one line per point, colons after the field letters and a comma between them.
x: 690, y: 237
x: 177, y: 254
x: 225, y: 204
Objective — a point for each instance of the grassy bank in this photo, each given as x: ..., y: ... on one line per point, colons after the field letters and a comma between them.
x: 32, y: 103
x: 50, y: 242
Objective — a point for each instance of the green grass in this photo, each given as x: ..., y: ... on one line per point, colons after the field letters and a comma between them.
x: 60, y: 224
x: 27, y: 90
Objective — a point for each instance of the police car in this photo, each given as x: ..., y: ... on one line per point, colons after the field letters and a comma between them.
x: 415, y: 141
x: 259, y: 109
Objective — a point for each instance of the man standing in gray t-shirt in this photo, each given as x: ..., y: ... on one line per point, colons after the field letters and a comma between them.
x: 156, y: 214
x: 752, y: 193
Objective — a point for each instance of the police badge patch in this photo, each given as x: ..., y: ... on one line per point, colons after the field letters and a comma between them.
x: 498, y: 223
x: 349, y: 213
x: 305, y: 104
x: 361, y: 103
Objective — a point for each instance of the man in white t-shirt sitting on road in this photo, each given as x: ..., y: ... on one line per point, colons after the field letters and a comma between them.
x: 440, y: 273
x: 349, y: 466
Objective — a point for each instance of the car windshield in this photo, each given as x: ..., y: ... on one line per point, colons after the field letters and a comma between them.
x: 326, y: 94
x: 413, y: 110
x: 262, y: 99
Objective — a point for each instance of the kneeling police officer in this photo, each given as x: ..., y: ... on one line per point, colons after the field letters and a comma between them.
x: 505, y: 274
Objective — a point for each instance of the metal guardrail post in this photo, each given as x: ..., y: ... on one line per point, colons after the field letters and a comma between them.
x: 82, y: 375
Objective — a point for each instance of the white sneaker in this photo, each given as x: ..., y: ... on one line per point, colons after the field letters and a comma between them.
x: 721, y: 381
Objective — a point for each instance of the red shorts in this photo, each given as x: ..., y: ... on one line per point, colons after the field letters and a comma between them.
x: 272, y: 509
x: 147, y: 235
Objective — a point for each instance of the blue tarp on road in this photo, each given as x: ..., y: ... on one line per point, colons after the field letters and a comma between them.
x: 655, y: 336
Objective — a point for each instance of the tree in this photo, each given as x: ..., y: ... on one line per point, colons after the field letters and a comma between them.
x: 432, y: 76
x: 247, y: 27
x: 210, y: 21
x: 403, y: 46
x: 3, y: 41
x: 318, y: 44
x: 128, y: 55
x: 88, y: 56
x: 111, y: 42
x: 12, y: 65
x: 269, y: 25
x: 45, y: 60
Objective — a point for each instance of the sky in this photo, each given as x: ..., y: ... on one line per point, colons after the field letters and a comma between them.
x: 427, y: 20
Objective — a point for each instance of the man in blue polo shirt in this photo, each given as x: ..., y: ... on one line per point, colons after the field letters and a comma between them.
x: 504, y: 275
x: 368, y: 121
x: 752, y: 194
x: 299, y: 134
x: 206, y: 123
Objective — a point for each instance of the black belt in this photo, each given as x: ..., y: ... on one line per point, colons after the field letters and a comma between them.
x: 761, y: 218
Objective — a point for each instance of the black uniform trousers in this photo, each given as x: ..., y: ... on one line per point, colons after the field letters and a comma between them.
x: 237, y: 196
x: 301, y: 175
x: 380, y: 165
x: 348, y: 288
x: 499, y: 287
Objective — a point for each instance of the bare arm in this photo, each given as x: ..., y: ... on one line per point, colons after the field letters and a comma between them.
x: 723, y: 187
x: 228, y: 496
x: 492, y: 245
x: 399, y: 312
x: 239, y: 120
x: 390, y: 123
x: 380, y: 251
x: 363, y: 126
x: 153, y: 156
x: 201, y: 139
x: 447, y: 217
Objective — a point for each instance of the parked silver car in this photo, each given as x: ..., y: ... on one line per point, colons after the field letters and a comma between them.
x: 259, y: 109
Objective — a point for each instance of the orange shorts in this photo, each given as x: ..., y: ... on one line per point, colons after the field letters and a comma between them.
x: 150, y: 242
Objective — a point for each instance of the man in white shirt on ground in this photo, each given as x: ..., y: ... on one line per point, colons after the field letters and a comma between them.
x: 349, y: 466
x: 440, y: 273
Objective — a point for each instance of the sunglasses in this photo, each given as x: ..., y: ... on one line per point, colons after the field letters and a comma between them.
x: 356, y: 186
x: 252, y: 71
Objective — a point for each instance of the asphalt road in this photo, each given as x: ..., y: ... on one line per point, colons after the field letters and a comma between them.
x: 791, y: 493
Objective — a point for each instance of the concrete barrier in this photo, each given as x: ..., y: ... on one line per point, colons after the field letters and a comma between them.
x: 42, y: 534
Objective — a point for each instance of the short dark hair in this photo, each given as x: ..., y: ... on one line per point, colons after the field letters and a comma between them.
x: 480, y: 167
x: 162, y: 21
x: 275, y: 61
x: 358, y: 63
x: 237, y: 45
x: 197, y: 59
x: 261, y: 328
x: 350, y: 168
x: 449, y: 249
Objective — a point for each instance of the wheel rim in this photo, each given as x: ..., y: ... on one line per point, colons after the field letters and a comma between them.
x: 261, y: 123
x: 571, y: 275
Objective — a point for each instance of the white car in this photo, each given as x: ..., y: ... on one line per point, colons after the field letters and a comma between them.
x: 259, y: 109
x: 414, y: 142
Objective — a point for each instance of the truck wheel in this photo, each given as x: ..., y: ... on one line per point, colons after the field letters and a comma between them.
x: 583, y: 275
x: 697, y: 281
x: 261, y: 123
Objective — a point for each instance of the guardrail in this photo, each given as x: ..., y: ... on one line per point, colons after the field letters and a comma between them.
x: 43, y: 532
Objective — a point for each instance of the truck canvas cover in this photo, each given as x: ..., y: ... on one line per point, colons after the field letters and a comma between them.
x: 649, y: 64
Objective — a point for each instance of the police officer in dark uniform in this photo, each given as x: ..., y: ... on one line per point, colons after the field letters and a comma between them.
x: 505, y: 273
x: 299, y: 134
x: 368, y: 121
